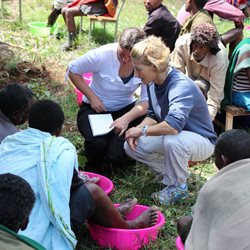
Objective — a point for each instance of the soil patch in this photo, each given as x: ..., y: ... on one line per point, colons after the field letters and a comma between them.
x: 25, y: 72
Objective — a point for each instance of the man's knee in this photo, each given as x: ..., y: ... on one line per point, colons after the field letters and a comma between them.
x: 63, y: 11
x: 72, y: 12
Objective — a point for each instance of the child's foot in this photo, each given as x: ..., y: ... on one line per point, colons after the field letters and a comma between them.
x: 147, y: 219
x: 127, y: 207
x: 94, y: 180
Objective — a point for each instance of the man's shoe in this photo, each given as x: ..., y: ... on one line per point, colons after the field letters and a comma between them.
x: 171, y: 194
x: 71, y: 44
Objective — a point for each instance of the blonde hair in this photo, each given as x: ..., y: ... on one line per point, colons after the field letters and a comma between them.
x: 151, y: 51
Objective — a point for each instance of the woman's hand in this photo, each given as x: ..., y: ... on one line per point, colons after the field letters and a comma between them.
x: 120, y: 125
x: 97, y: 105
x: 132, y: 136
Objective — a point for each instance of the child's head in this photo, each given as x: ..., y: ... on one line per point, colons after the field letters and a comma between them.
x: 17, y: 200
x: 232, y: 146
x: 46, y: 116
x: 15, y: 102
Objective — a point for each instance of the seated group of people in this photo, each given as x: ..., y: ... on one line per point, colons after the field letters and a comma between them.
x: 170, y: 124
x: 160, y: 21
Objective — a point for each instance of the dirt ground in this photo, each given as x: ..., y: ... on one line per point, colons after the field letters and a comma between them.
x: 25, y: 72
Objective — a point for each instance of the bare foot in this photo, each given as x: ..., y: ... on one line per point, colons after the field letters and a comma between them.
x: 93, y: 180
x: 147, y: 219
x: 127, y: 207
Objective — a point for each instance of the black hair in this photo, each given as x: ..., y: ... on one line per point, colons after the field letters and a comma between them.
x: 130, y: 36
x: 234, y: 144
x: 206, y: 34
x: 17, y: 200
x: 14, y: 97
x: 46, y: 115
x: 200, y: 3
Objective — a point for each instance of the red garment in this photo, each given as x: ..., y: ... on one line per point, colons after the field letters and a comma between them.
x: 80, y: 2
x: 224, y: 10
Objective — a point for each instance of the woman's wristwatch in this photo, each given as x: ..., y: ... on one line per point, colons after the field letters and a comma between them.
x: 144, y: 130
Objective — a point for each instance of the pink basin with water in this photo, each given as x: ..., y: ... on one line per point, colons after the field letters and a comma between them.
x: 127, y: 239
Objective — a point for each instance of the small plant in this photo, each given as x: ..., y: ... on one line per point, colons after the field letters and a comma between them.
x: 40, y: 90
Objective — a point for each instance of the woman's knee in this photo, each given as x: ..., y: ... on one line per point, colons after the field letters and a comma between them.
x: 171, y: 141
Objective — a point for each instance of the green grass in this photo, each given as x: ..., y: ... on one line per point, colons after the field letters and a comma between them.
x: 136, y: 181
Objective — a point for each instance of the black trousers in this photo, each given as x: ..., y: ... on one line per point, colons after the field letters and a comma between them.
x: 81, y: 207
x: 109, y: 147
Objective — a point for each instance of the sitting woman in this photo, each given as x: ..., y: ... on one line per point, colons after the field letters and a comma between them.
x: 111, y: 91
x: 178, y: 127
x: 237, y: 87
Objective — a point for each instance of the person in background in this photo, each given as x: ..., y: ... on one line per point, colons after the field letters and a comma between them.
x: 204, y: 59
x: 226, y: 11
x: 17, y: 200
x: 221, y: 213
x: 15, y: 103
x: 79, y: 8
x: 178, y: 127
x: 111, y: 91
x: 243, y: 5
x: 56, y: 11
x: 197, y: 16
x: 237, y: 86
x: 161, y: 23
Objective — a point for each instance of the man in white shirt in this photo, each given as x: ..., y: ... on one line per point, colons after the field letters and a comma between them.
x: 204, y: 59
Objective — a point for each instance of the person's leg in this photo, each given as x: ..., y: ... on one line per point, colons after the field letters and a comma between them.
x: 95, y: 147
x: 169, y: 156
x: 183, y: 227
x: 181, y: 148
x: 81, y: 207
x: 148, y: 151
x: 69, y: 15
x: 53, y: 16
x: 116, y: 152
x: 63, y: 12
x: 107, y: 215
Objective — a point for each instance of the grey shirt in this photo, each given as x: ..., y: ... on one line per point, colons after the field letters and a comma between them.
x: 6, y: 127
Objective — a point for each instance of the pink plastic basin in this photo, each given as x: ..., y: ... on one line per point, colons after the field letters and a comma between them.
x: 105, y: 183
x: 126, y: 239
x: 87, y: 77
x: 179, y: 244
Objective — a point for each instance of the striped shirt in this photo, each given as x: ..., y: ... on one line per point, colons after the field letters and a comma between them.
x: 241, y: 82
